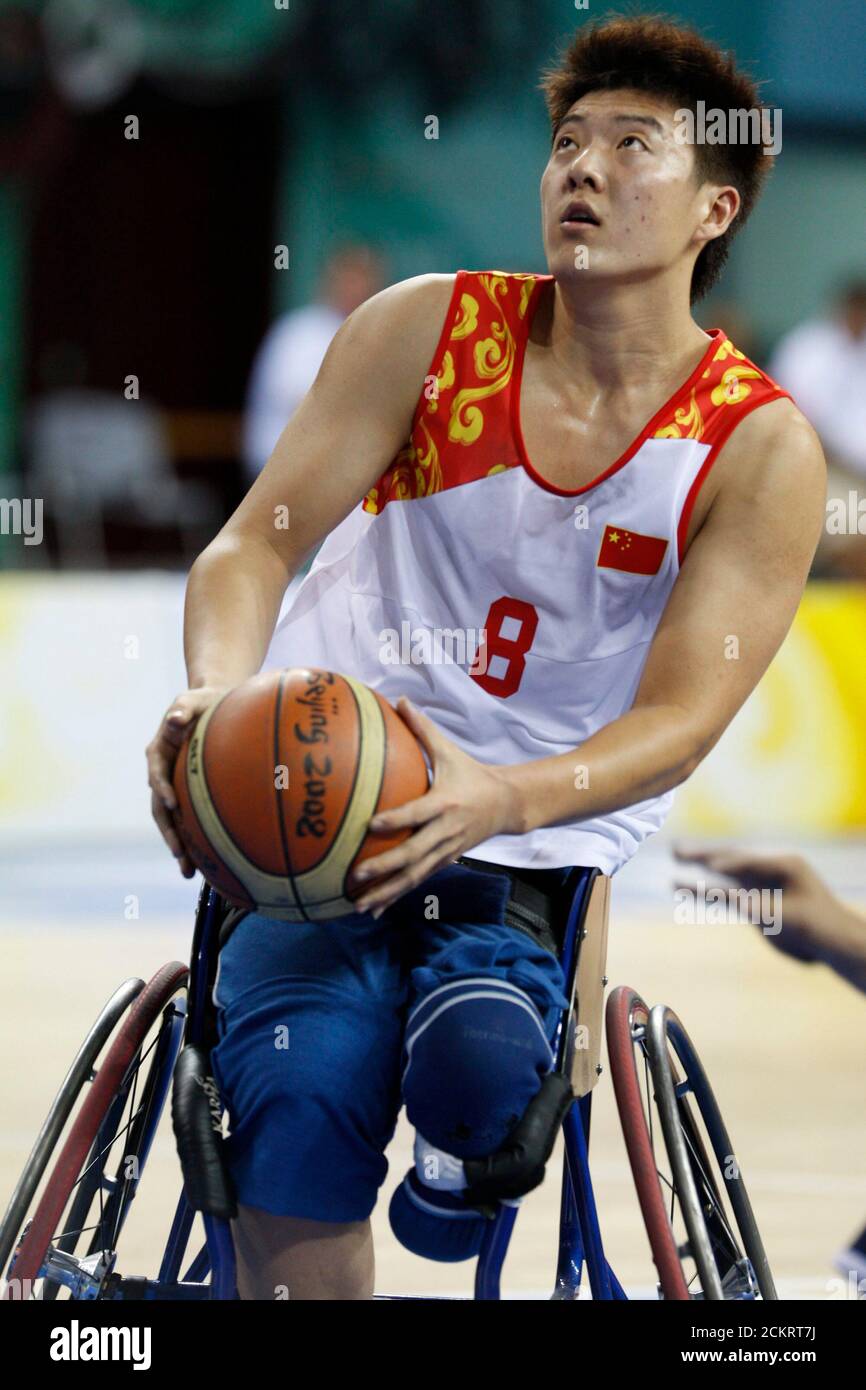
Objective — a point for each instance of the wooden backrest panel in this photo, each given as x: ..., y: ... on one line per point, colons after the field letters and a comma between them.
x: 588, y: 1004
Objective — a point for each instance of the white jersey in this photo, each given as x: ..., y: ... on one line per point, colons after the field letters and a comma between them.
x: 517, y: 615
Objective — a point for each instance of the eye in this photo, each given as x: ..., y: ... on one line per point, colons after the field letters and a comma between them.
x: 564, y: 138
x: 641, y: 143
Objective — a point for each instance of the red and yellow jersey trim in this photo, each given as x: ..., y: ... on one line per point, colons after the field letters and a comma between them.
x: 467, y: 422
x: 461, y: 431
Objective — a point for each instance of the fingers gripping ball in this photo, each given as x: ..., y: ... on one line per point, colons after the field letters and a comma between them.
x: 278, y: 782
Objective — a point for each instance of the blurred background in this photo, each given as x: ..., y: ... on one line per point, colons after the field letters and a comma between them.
x: 193, y: 194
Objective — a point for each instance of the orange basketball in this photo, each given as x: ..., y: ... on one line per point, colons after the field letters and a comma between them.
x: 278, y: 782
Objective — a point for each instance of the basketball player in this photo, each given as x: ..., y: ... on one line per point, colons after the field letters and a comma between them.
x: 628, y: 509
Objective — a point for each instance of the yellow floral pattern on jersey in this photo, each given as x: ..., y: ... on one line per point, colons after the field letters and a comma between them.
x: 414, y: 473
x: 688, y: 423
x: 462, y: 427
x: 733, y: 386
x: 719, y: 386
x: 464, y: 424
x: 467, y: 321
x: 493, y: 361
x: 445, y: 379
x: 726, y: 349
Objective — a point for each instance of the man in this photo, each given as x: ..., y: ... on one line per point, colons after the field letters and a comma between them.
x: 628, y: 509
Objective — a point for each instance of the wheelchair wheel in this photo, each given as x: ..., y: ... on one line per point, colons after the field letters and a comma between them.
x: 626, y: 1020
x: 61, y: 1108
x: 723, y: 1236
x: 118, y: 1116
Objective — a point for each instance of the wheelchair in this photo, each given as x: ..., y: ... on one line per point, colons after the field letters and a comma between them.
x: 62, y: 1233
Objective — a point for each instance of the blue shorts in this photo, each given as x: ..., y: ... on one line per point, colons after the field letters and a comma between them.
x: 311, y: 1019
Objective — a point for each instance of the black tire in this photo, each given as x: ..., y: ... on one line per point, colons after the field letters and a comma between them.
x: 626, y: 1019
x: 79, y: 1161
x: 79, y: 1073
x: 729, y: 1256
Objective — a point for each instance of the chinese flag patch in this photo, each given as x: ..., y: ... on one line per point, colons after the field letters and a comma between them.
x: 630, y: 551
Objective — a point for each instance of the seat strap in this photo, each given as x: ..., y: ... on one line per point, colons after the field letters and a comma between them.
x: 529, y: 909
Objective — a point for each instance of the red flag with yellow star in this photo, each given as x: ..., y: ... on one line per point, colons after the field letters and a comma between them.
x: 630, y: 551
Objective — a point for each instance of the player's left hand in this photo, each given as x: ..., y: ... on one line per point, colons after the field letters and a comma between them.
x: 467, y: 802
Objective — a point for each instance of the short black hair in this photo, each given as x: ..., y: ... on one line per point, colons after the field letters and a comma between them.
x: 654, y: 53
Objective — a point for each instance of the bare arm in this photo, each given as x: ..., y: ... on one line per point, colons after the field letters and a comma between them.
x: 354, y: 419
x: 730, y: 609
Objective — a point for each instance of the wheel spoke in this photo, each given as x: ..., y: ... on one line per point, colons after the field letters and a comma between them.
x: 698, y: 1218
x: 715, y: 1204
x: 130, y: 1084
x: 647, y: 1086
x: 662, y: 1177
x: 105, y: 1151
x: 81, y: 1230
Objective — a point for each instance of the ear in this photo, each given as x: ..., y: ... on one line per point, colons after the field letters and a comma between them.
x: 721, y: 206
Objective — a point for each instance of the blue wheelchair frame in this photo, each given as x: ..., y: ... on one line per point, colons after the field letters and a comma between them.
x: 580, y: 1239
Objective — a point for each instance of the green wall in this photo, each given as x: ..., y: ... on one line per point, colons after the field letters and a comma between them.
x: 807, y: 232
x: 356, y: 163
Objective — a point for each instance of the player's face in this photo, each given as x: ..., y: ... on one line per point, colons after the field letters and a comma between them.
x: 619, y: 197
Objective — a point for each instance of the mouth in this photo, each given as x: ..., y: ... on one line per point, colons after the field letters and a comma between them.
x: 579, y: 215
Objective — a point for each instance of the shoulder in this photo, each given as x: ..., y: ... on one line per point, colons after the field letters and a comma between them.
x: 773, y: 465
x: 396, y: 330
x: 381, y: 353
x: 774, y: 434
x: 415, y: 305
x: 419, y: 306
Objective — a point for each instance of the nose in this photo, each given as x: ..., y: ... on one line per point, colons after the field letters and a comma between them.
x: 585, y: 169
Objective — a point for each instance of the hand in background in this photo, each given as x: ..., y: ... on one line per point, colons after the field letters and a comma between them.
x: 816, y: 925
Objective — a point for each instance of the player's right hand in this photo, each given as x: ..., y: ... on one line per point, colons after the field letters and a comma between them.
x: 161, y: 753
